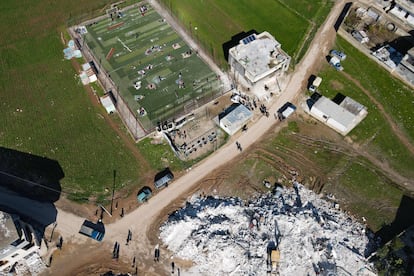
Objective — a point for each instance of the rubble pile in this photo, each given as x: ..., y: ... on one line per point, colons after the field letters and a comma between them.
x: 226, y: 236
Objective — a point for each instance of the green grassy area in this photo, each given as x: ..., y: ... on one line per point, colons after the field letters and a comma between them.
x: 217, y: 21
x: 354, y: 181
x: 358, y: 186
x: 320, y: 157
x: 57, y: 120
x: 394, y: 96
x: 144, y: 51
x: 160, y: 156
x: 373, y: 196
x: 313, y: 11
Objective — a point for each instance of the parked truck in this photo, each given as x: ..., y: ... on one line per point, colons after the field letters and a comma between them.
x: 315, y: 84
x: 95, y: 231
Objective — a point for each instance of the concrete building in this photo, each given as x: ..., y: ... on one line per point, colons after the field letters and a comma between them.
x: 258, y: 57
x: 403, y: 10
x: 342, y: 116
x: 17, y: 243
x: 233, y: 118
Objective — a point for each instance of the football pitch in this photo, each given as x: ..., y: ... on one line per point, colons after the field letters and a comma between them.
x: 156, y: 72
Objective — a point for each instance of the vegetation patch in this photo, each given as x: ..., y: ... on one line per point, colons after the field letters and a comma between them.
x: 374, y: 132
x: 214, y: 22
x: 45, y: 110
x: 157, y: 74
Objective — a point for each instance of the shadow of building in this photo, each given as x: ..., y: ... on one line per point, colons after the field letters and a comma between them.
x: 403, y: 220
x: 29, y: 175
x: 342, y: 16
x: 29, y: 186
x: 235, y: 40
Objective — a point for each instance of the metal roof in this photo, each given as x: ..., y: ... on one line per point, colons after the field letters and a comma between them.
x: 334, y: 111
x: 235, y: 118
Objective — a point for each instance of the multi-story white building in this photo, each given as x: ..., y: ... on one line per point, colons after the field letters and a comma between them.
x: 258, y: 57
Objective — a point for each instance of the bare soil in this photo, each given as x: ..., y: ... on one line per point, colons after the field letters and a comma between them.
x: 210, y: 176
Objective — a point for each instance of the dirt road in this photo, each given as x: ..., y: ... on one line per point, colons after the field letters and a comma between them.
x: 139, y: 220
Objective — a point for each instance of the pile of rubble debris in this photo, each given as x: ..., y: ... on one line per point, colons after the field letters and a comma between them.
x: 226, y: 236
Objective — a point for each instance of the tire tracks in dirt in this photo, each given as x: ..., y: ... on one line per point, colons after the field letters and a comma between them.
x: 397, y: 131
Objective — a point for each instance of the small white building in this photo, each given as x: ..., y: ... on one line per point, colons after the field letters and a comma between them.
x: 258, y: 56
x: 233, y: 118
x: 342, y: 117
x: 107, y: 102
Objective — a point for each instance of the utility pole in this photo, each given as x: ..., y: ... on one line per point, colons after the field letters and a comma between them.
x: 113, y: 192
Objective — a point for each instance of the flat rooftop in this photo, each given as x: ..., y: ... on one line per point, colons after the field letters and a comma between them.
x: 236, y: 114
x: 259, y: 54
x: 334, y: 111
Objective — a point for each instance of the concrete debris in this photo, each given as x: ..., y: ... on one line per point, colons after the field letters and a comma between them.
x: 226, y: 236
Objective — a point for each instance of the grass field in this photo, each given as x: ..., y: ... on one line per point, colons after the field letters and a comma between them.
x: 396, y: 98
x: 358, y: 186
x: 146, y: 49
x: 57, y: 120
x: 217, y: 21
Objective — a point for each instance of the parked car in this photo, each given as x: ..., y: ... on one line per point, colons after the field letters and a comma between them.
x: 335, y: 62
x: 338, y: 54
x: 144, y: 194
x: 95, y: 231
x: 163, y: 178
x: 285, y: 111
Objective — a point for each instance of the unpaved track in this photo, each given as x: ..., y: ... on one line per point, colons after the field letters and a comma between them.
x: 139, y: 220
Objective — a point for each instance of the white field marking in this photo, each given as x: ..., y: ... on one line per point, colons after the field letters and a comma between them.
x: 123, y: 44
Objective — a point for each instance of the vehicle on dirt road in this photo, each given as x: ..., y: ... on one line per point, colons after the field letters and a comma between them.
x: 95, y: 231
x: 285, y: 111
x: 144, y: 194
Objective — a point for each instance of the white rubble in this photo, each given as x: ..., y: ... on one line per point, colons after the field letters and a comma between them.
x: 226, y: 236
